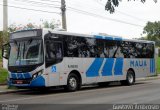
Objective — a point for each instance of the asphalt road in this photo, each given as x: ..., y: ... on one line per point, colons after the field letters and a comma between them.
x: 90, y: 97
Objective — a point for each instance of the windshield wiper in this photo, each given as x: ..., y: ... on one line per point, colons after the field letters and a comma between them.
x: 18, y: 51
x: 25, y: 47
x: 15, y: 42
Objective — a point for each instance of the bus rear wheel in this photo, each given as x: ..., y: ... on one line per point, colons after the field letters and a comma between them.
x: 72, y: 83
x: 130, y: 78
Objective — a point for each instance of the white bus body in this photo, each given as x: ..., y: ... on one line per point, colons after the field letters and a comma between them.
x: 88, y: 70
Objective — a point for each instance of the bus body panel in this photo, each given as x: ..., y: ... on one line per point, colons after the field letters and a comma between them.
x: 141, y: 67
x: 91, y: 70
x: 56, y: 75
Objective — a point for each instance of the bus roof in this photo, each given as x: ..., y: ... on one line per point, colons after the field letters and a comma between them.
x: 107, y: 37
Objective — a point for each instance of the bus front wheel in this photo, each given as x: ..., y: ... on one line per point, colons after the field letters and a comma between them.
x: 130, y: 78
x: 72, y: 83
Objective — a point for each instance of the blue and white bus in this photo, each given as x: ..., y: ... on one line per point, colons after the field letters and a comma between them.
x: 46, y: 58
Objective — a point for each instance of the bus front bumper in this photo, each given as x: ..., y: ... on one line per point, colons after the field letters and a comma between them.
x: 37, y: 82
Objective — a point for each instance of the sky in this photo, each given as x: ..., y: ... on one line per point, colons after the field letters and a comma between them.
x: 87, y: 16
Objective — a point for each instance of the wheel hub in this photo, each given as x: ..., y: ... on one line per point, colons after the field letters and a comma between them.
x: 73, y: 82
x: 130, y: 78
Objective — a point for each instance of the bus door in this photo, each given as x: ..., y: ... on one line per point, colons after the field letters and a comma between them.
x: 54, y: 55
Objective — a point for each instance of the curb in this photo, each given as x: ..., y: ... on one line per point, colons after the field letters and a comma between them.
x: 3, y: 84
x: 15, y: 91
x: 148, y: 78
x: 7, y: 92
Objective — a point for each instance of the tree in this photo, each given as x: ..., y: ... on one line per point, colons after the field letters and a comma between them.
x: 53, y: 24
x: 4, y: 36
x: 15, y: 27
x: 152, y: 31
x: 111, y: 4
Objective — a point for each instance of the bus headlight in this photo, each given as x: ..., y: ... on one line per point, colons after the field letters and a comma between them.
x: 37, y: 74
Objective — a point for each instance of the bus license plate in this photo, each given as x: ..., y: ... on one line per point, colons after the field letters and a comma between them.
x: 19, y: 82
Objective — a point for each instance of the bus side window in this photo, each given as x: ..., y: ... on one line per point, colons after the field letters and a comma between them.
x: 100, y: 48
x: 150, y: 51
x: 54, y: 53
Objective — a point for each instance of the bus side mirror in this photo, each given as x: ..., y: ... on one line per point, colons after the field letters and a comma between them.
x: 5, y: 51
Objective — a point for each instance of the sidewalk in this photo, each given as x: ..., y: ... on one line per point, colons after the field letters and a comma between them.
x: 5, y: 90
x: 148, y: 78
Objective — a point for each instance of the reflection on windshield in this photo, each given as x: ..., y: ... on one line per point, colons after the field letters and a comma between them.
x: 28, y: 52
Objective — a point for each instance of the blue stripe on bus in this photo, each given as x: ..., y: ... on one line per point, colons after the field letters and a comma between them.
x: 118, y: 66
x: 109, y: 38
x: 153, y: 66
x: 39, y: 81
x: 98, y: 37
x: 93, y: 70
x: 13, y: 75
x: 118, y: 39
x: 150, y: 65
x: 107, y: 68
x: 27, y: 75
x: 20, y: 76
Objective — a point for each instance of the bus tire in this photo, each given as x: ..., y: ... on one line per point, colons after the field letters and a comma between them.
x: 72, y: 83
x: 130, y: 78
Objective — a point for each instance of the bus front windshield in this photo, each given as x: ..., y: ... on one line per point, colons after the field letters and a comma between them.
x: 24, y: 53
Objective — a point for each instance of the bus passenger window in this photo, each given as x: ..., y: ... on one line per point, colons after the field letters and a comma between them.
x: 53, y: 53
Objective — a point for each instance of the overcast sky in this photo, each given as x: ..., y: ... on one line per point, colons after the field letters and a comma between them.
x: 135, y: 14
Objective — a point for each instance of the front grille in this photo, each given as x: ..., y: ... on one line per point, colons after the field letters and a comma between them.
x: 21, y: 81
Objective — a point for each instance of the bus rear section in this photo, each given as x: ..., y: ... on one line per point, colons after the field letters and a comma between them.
x: 98, y: 59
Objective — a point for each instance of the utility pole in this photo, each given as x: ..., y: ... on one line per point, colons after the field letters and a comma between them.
x: 5, y: 15
x: 63, y: 9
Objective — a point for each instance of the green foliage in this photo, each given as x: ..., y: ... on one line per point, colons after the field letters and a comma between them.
x: 111, y: 4
x: 158, y: 64
x: 15, y: 27
x: 4, y: 37
x: 12, y: 28
x: 3, y: 75
x: 152, y: 30
x: 51, y: 24
x: 3, y: 72
x: 0, y: 55
x: 46, y: 24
